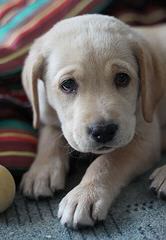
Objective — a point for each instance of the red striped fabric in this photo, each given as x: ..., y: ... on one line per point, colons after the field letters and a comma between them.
x: 16, y: 40
x: 17, y: 148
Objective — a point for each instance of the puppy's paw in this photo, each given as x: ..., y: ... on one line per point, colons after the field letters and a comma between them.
x: 158, y: 184
x: 84, y: 205
x: 42, y: 180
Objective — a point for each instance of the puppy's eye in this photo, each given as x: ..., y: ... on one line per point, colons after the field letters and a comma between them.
x: 121, y: 80
x: 69, y: 86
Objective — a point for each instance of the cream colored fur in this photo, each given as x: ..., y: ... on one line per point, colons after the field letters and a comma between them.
x: 92, y: 49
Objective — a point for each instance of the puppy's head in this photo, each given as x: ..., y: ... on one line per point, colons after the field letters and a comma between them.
x: 94, y: 69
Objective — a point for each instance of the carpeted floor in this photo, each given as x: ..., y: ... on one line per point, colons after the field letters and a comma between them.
x: 136, y: 215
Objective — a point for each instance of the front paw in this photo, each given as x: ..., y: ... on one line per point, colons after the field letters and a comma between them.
x: 84, y: 205
x: 158, y: 184
x: 42, y: 180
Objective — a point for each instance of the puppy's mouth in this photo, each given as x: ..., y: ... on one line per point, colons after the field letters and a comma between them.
x: 103, y: 150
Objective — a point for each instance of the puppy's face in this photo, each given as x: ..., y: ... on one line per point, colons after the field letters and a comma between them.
x: 92, y: 83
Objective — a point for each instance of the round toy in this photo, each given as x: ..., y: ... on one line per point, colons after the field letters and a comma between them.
x: 7, y: 188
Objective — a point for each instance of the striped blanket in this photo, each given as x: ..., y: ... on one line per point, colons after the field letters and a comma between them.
x: 21, y: 21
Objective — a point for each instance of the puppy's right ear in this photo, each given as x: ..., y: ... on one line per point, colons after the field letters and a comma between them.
x: 151, y: 76
x: 32, y: 71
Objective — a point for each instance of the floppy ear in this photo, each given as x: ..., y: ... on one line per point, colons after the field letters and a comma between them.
x: 32, y: 71
x: 151, y: 78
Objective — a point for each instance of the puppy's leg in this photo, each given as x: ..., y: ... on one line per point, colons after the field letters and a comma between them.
x: 103, y: 180
x: 163, y: 139
x: 158, y: 184
x: 47, y: 173
x: 158, y: 177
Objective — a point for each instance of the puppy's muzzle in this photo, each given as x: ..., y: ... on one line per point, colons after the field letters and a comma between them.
x: 103, y: 132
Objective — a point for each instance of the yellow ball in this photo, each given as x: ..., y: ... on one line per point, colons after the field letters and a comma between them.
x: 7, y: 188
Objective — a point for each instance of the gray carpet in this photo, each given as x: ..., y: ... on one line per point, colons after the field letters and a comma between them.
x: 136, y: 214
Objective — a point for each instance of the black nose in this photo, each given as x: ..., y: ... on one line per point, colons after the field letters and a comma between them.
x: 103, y: 133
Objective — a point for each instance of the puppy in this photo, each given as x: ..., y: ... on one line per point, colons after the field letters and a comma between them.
x: 98, y: 85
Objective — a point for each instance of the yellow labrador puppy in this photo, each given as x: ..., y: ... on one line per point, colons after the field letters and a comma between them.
x: 95, y: 83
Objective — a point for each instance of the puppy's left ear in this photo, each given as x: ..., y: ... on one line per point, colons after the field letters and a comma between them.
x: 32, y: 72
x: 151, y: 77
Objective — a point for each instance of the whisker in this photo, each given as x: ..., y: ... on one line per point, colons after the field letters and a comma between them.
x: 59, y: 136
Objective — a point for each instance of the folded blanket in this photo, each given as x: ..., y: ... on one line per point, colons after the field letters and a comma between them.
x: 22, y: 21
